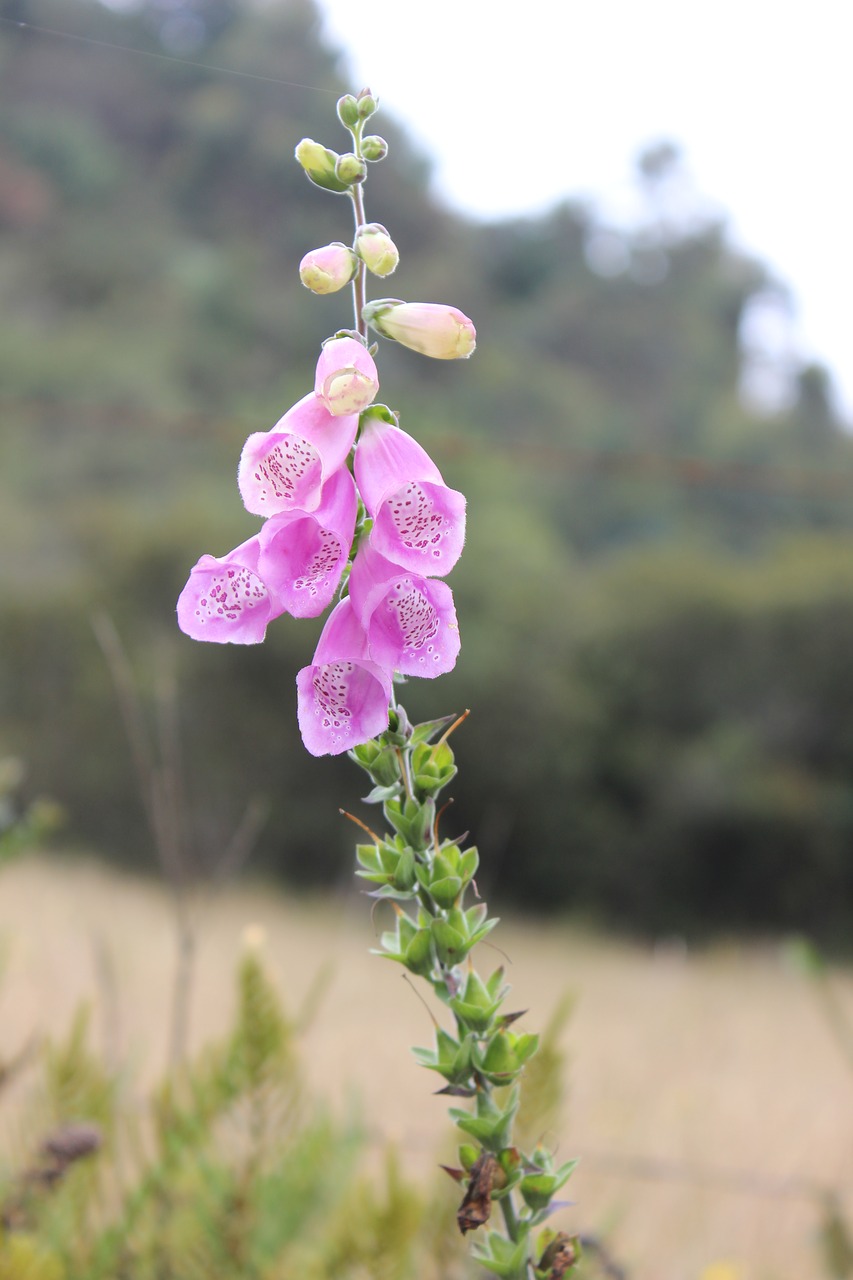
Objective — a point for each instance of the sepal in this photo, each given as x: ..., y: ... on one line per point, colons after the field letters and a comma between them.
x: 502, y: 1257
x: 381, y: 763
x: 445, y: 876
x: 433, y: 767
x: 399, y: 730
x: 505, y: 1055
x: 459, y: 932
x: 491, y: 1125
x: 411, y: 820
x: 426, y: 731
x: 409, y: 944
x: 451, y: 1058
x: 475, y: 1007
x: 539, y: 1187
x: 387, y: 865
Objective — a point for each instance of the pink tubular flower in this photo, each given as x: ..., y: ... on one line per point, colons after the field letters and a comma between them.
x: 285, y: 469
x: 410, y: 621
x: 328, y: 269
x: 303, y: 554
x: 429, y: 327
x: 419, y: 522
x: 226, y: 600
x: 343, y: 696
x: 346, y: 380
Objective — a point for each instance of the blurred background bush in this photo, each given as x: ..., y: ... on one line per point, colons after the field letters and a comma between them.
x: 656, y: 598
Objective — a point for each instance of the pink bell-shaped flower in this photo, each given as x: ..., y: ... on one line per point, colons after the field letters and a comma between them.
x: 226, y: 600
x: 303, y: 554
x: 343, y: 696
x: 285, y: 469
x: 410, y: 621
x: 419, y: 522
x: 346, y: 379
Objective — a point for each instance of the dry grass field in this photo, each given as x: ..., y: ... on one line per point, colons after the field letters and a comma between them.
x: 704, y: 1090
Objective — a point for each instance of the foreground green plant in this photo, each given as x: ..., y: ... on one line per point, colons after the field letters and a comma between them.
x: 231, y: 1170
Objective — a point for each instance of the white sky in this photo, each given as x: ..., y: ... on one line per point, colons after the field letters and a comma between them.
x: 758, y: 94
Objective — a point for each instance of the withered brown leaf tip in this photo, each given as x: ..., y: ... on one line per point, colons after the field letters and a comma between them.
x: 561, y: 1254
x: 477, y: 1204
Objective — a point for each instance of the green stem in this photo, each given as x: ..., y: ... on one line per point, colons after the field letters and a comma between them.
x: 510, y: 1218
x: 359, y: 284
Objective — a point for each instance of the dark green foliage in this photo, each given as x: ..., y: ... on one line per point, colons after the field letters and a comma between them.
x: 658, y: 735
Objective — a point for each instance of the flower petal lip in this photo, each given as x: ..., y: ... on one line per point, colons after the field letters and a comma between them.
x: 410, y: 621
x: 226, y: 601
x: 343, y: 696
x: 303, y: 554
x: 419, y: 520
x: 346, y: 379
x: 386, y: 457
x: 433, y: 329
x: 284, y: 469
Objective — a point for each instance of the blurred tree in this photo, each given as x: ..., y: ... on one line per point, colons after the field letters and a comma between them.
x: 151, y: 219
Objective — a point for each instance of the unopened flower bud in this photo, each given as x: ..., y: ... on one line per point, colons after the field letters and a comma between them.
x: 328, y: 269
x: 349, y: 169
x: 373, y: 147
x: 428, y: 327
x: 346, y: 379
x: 348, y: 110
x: 367, y: 104
x: 376, y: 248
x: 319, y: 164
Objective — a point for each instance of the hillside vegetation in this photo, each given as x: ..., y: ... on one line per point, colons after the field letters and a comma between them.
x: 656, y: 600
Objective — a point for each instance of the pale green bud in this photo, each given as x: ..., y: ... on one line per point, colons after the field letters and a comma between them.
x: 373, y: 147
x: 348, y: 111
x: 319, y: 164
x: 350, y: 169
x: 367, y: 104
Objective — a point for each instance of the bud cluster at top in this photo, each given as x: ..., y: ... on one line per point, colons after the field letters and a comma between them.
x: 355, y: 512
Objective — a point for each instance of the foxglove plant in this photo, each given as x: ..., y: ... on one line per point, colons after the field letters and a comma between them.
x: 354, y: 507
